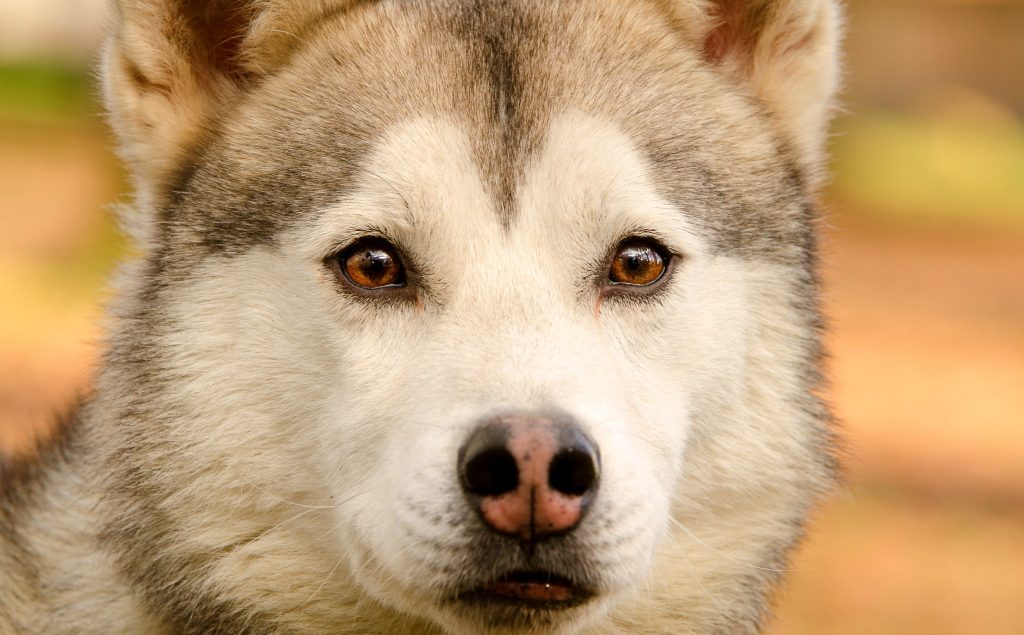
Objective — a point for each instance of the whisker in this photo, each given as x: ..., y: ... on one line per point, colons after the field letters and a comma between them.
x: 721, y: 555
x: 289, y: 502
x: 324, y: 582
x: 700, y: 583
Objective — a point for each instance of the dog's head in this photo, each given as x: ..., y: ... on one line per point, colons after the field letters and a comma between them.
x: 502, y: 313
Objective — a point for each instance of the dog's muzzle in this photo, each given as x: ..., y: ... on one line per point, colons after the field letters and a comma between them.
x: 530, y: 479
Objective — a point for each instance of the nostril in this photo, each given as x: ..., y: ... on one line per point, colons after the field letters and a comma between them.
x: 491, y: 472
x: 573, y: 472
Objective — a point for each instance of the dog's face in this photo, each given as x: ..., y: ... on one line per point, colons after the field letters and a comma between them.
x: 539, y: 318
x: 503, y: 292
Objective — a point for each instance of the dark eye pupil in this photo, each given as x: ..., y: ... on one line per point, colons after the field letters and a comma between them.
x: 376, y: 262
x: 372, y: 266
x: 639, y: 259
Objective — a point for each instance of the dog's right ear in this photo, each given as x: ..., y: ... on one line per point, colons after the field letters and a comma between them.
x: 171, y: 64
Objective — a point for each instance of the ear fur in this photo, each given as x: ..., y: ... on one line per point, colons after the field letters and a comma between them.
x: 787, y: 50
x: 171, y: 64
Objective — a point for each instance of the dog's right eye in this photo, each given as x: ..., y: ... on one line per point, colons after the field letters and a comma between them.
x: 638, y: 262
x: 371, y: 263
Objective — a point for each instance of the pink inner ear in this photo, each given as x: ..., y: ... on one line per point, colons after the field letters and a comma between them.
x: 733, y: 30
x: 716, y: 44
x: 218, y: 29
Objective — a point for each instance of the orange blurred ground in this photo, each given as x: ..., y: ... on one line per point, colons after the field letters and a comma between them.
x: 928, y: 367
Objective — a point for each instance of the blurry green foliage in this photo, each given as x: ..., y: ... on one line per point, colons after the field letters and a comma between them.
x: 46, y: 90
x: 52, y: 109
x: 933, y: 169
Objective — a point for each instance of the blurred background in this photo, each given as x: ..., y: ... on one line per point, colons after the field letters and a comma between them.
x: 924, y: 252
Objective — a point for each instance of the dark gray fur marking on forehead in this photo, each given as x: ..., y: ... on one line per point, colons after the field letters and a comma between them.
x: 766, y: 215
x: 234, y: 196
x: 498, y: 34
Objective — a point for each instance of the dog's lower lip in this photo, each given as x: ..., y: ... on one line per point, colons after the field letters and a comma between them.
x: 531, y: 588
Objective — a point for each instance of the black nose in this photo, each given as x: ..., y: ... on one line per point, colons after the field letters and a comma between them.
x: 530, y: 475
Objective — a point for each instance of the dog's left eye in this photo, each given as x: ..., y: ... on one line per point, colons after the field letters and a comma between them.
x: 371, y: 263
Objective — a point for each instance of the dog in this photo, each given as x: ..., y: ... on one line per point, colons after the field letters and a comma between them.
x: 447, y: 316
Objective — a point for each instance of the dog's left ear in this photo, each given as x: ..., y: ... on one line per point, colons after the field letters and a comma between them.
x: 786, y: 50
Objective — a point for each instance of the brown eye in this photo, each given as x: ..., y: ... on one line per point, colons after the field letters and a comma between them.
x: 372, y: 264
x: 638, y: 262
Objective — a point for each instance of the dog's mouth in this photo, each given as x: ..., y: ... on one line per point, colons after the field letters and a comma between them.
x: 541, y: 589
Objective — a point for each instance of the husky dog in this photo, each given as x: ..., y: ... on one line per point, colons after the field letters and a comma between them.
x: 449, y: 316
